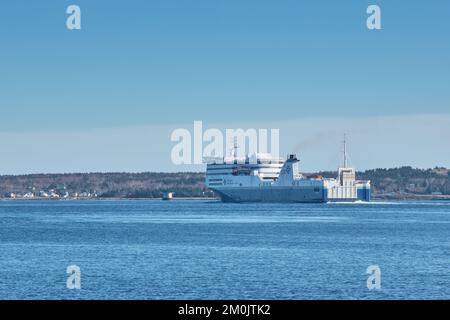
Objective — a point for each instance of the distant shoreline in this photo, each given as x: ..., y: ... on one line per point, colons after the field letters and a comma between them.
x: 405, y: 197
x: 374, y: 199
x: 106, y: 199
x: 403, y: 183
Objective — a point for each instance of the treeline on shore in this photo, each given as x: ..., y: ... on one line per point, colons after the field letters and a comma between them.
x: 385, y: 183
x: 104, y: 185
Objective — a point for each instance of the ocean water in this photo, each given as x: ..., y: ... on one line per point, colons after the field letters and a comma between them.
x: 211, y: 250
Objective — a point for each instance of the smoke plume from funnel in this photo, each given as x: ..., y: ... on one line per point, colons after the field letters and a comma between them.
x: 316, y: 139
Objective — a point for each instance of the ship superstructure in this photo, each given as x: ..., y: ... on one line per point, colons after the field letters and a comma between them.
x: 263, y: 178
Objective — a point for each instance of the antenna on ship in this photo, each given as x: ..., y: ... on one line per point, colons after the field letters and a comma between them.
x: 235, y: 147
x: 345, y: 151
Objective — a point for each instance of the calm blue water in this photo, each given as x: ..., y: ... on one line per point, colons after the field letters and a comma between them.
x: 210, y: 250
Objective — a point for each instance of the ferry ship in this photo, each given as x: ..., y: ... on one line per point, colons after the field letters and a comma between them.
x: 263, y: 178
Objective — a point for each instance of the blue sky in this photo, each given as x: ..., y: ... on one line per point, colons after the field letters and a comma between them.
x: 163, y: 64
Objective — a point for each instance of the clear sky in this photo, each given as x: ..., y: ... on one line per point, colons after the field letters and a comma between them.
x: 106, y: 97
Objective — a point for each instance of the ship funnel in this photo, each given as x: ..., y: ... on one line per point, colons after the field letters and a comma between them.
x: 289, y: 172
